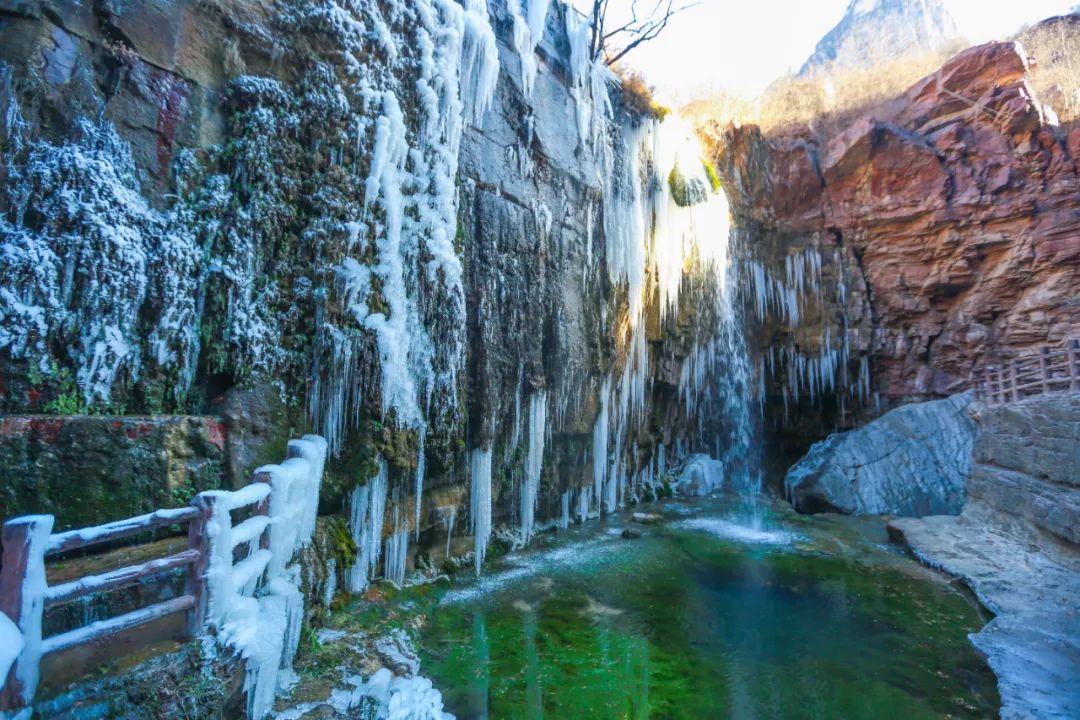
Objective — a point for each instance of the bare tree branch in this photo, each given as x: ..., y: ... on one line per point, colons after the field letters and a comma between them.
x: 613, y: 44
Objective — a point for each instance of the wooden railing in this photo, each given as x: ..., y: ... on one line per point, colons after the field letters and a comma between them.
x: 28, y: 541
x: 1048, y: 370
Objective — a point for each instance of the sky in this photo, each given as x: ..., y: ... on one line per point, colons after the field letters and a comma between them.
x: 743, y: 45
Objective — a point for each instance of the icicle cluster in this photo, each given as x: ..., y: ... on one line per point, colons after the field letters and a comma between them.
x: 408, y: 214
x: 367, y: 516
x: 807, y: 375
x: 528, y: 17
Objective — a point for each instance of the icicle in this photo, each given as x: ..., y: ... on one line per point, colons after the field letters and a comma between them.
x: 564, y: 516
x: 600, y: 441
x: 480, y: 500
x: 421, y: 468
x: 448, y: 522
x: 534, y: 462
x: 397, y: 550
x: 368, y: 508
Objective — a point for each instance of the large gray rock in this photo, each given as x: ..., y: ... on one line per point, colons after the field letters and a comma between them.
x: 1017, y: 546
x: 912, y: 461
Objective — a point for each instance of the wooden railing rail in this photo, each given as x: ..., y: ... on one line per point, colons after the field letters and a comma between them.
x: 1050, y: 369
x: 25, y: 592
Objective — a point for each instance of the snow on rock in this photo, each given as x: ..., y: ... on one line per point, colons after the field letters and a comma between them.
x: 83, y: 258
x: 394, y: 692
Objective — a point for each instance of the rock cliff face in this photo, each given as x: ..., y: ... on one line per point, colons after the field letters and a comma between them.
x: 913, y: 461
x: 426, y: 230
x: 938, y: 232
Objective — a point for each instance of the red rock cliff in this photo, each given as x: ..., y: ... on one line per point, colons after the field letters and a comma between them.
x: 955, y: 208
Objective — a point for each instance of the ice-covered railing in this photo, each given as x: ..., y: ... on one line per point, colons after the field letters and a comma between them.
x: 236, y: 577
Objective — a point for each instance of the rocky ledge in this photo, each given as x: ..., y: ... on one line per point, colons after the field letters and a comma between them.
x: 1015, y: 545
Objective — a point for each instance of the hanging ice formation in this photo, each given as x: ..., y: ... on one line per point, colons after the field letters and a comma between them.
x: 480, y: 502
x: 447, y: 71
x: 534, y: 462
x: 666, y: 221
x: 409, y: 208
x: 803, y: 291
x: 397, y: 547
x: 367, y: 517
x: 529, y: 17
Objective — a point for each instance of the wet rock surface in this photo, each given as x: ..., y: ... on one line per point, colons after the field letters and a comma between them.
x: 1033, y: 645
x: 90, y: 470
x: 912, y: 461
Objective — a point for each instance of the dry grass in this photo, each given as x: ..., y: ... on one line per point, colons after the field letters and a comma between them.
x: 827, y: 102
x: 1054, y: 46
x: 824, y: 102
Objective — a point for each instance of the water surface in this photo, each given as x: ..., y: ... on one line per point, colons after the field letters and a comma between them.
x: 706, y: 618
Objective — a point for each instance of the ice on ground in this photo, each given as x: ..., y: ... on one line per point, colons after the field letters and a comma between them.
x: 740, y: 533
x: 574, y: 554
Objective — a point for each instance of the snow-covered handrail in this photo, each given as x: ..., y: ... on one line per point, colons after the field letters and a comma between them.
x: 276, y: 525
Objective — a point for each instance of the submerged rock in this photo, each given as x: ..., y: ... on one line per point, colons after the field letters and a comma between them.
x: 648, y: 518
x: 631, y: 534
x: 913, y: 461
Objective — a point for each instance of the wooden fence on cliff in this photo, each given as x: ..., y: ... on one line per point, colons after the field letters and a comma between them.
x: 1048, y: 370
x: 25, y: 592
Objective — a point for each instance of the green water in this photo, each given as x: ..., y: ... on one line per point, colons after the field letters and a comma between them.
x: 686, y: 623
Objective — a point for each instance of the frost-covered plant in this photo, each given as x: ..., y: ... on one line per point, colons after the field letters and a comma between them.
x: 79, y: 244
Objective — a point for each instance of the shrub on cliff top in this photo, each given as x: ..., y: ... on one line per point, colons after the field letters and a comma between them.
x: 637, y: 96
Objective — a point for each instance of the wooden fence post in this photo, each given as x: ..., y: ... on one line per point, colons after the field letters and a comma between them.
x: 1072, y: 349
x: 22, y: 599
x: 195, y: 584
x: 1044, y: 367
x: 263, y: 508
x: 1013, y: 380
